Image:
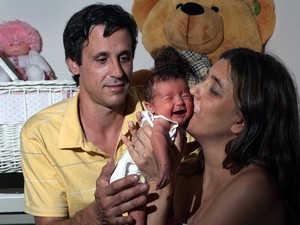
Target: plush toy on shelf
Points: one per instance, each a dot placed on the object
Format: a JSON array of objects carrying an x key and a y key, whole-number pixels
[{"x": 21, "y": 45}]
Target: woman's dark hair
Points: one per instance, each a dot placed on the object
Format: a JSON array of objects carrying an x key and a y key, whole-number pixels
[
  {"x": 265, "y": 94},
  {"x": 78, "y": 28}
]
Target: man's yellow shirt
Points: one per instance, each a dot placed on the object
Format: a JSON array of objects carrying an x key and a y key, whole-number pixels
[{"x": 60, "y": 166}]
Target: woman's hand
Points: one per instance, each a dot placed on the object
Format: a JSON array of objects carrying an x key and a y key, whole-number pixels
[{"x": 141, "y": 151}]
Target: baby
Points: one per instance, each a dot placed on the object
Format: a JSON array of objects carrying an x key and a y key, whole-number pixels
[{"x": 169, "y": 105}]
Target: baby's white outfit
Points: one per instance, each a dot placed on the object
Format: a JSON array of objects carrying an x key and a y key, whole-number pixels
[{"x": 126, "y": 165}]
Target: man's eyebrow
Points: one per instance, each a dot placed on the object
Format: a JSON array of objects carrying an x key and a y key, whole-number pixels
[
  {"x": 98, "y": 54},
  {"x": 125, "y": 52}
]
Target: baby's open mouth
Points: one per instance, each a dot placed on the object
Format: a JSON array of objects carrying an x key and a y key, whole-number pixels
[{"x": 179, "y": 112}]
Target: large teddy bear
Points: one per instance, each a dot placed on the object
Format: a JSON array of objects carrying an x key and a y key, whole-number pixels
[{"x": 205, "y": 27}]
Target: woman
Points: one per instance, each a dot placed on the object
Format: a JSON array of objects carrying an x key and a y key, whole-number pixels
[{"x": 246, "y": 120}]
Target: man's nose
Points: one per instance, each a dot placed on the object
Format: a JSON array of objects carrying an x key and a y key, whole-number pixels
[{"x": 116, "y": 69}]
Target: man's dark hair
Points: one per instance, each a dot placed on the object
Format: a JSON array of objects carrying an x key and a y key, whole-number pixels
[{"x": 79, "y": 26}]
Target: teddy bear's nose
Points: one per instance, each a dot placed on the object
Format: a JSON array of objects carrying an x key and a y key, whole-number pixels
[{"x": 192, "y": 8}]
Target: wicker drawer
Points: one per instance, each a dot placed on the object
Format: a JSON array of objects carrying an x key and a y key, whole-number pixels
[{"x": 19, "y": 100}]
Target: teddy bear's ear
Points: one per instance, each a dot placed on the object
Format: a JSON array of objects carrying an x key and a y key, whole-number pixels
[
  {"x": 265, "y": 15},
  {"x": 140, "y": 10}
]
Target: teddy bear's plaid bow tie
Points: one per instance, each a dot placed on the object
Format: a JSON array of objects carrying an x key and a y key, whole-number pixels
[{"x": 193, "y": 65}]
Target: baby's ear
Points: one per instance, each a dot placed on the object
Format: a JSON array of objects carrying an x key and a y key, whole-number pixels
[{"x": 150, "y": 107}]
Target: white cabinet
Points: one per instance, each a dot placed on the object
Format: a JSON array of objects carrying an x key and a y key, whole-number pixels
[{"x": 11, "y": 209}]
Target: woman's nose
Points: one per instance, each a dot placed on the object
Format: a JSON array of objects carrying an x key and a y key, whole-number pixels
[
  {"x": 192, "y": 90},
  {"x": 195, "y": 90}
]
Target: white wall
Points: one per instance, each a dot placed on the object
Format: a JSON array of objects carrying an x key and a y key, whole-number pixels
[
  {"x": 50, "y": 17},
  {"x": 285, "y": 39}
]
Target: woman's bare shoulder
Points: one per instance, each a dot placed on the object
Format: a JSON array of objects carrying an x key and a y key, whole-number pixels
[
  {"x": 253, "y": 185},
  {"x": 249, "y": 197}
]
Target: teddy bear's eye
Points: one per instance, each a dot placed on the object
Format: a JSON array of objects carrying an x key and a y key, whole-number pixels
[
  {"x": 179, "y": 5},
  {"x": 215, "y": 8}
]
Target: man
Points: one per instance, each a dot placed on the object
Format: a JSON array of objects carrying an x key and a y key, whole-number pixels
[{"x": 65, "y": 147}]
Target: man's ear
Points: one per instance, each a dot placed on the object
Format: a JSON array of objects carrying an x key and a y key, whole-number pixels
[
  {"x": 238, "y": 126},
  {"x": 73, "y": 66},
  {"x": 150, "y": 107}
]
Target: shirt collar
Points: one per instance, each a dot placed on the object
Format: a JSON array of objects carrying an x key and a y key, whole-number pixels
[{"x": 71, "y": 134}]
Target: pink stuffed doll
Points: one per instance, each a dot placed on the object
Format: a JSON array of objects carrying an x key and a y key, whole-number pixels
[{"x": 21, "y": 44}]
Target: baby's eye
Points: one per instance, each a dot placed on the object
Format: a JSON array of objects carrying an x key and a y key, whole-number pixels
[
  {"x": 186, "y": 95},
  {"x": 167, "y": 99}
]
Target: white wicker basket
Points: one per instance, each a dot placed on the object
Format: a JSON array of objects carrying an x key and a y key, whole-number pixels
[{"x": 19, "y": 100}]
